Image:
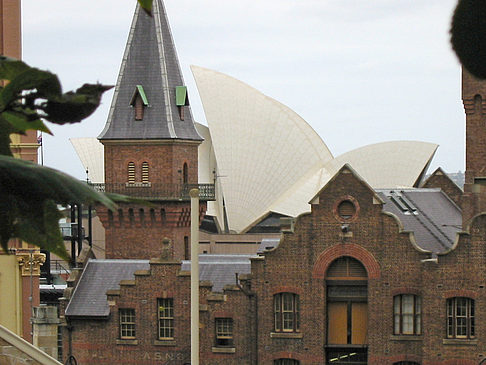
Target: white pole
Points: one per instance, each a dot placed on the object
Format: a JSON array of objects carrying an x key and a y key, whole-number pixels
[{"x": 194, "y": 193}]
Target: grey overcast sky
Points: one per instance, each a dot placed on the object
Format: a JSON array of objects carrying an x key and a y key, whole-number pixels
[{"x": 359, "y": 72}]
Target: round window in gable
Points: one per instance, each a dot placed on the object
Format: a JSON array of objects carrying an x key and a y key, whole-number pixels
[{"x": 346, "y": 209}]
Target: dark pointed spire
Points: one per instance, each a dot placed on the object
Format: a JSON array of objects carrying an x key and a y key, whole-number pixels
[{"x": 150, "y": 72}]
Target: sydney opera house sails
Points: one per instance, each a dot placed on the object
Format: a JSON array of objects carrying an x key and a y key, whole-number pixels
[
  {"x": 270, "y": 160},
  {"x": 265, "y": 158}
]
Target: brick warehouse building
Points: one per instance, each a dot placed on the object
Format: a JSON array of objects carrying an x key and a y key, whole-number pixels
[{"x": 367, "y": 277}]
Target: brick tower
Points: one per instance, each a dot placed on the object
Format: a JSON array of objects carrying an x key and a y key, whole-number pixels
[
  {"x": 474, "y": 99},
  {"x": 151, "y": 145}
]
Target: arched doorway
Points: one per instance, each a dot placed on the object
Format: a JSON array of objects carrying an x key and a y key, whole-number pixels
[{"x": 347, "y": 312}]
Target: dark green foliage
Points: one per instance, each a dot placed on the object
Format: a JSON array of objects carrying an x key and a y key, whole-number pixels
[
  {"x": 28, "y": 202},
  {"x": 468, "y": 35},
  {"x": 29, "y": 193},
  {"x": 73, "y": 107},
  {"x": 32, "y": 95}
]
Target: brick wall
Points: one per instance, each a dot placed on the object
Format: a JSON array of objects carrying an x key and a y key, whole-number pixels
[
  {"x": 98, "y": 341},
  {"x": 394, "y": 267},
  {"x": 165, "y": 158},
  {"x": 136, "y": 231}
]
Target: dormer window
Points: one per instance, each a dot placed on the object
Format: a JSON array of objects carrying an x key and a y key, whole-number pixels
[
  {"x": 139, "y": 102},
  {"x": 181, "y": 100}
]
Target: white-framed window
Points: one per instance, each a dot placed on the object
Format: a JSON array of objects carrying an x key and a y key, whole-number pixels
[
  {"x": 224, "y": 332},
  {"x": 460, "y": 318},
  {"x": 127, "y": 323},
  {"x": 407, "y": 312},
  {"x": 165, "y": 309},
  {"x": 286, "y": 312}
]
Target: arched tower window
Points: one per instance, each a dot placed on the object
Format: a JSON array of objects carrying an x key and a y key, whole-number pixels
[
  {"x": 110, "y": 217},
  {"x": 131, "y": 172},
  {"x": 131, "y": 216},
  {"x": 145, "y": 172},
  {"x": 185, "y": 174}
]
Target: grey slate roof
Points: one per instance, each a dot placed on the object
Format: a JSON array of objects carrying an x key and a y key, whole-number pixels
[
  {"x": 150, "y": 60},
  {"x": 220, "y": 269},
  {"x": 429, "y": 213},
  {"x": 99, "y": 276}
]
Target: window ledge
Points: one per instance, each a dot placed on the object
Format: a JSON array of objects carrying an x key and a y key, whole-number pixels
[
  {"x": 459, "y": 341},
  {"x": 224, "y": 350},
  {"x": 126, "y": 342},
  {"x": 286, "y": 335},
  {"x": 164, "y": 343},
  {"x": 406, "y": 338}
]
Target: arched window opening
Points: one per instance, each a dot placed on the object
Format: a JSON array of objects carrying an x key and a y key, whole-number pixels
[
  {"x": 346, "y": 268},
  {"x": 145, "y": 172},
  {"x": 131, "y": 173},
  {"x": 185, "y": 174},
  {"x": 131, "y": 216},
  {"x": 120, "y": 216},
  {"x": 346, "y": 209},
  {"x": 162, "y": 216},
  {"x": 152, "y": 216},
  {"x": 110, "y": 217},
  {"x": 142, "y": 216},
  {"x": 347, "y": 311}
]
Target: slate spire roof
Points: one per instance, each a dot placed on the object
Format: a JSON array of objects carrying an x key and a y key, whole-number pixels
[{"x": 149, "y": 67}]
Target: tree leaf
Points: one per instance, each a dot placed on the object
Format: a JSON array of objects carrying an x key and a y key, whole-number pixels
[
  {"x": 146, "y": 5},
  {"x": 44, "y": 83},
  {"x": 468, "y": 39},
  {"x": 5, "y": 130},
  {"x": 72, "y": 107},
  {"x": 11, "y": 67},
  {"x": 22, "y": 123},
  {"x": 38, "y": 183},
  {"x": 29, "y": 195},
  {"x": 39, "y": 227}
]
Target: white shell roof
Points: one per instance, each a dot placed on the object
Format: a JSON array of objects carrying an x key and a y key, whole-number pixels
[
  {"x": 396, "y": 164},
  {"x": 262, "y": 146},
  {"x": 91, "y": 153},
  {"x": 388, "y": 164}
]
